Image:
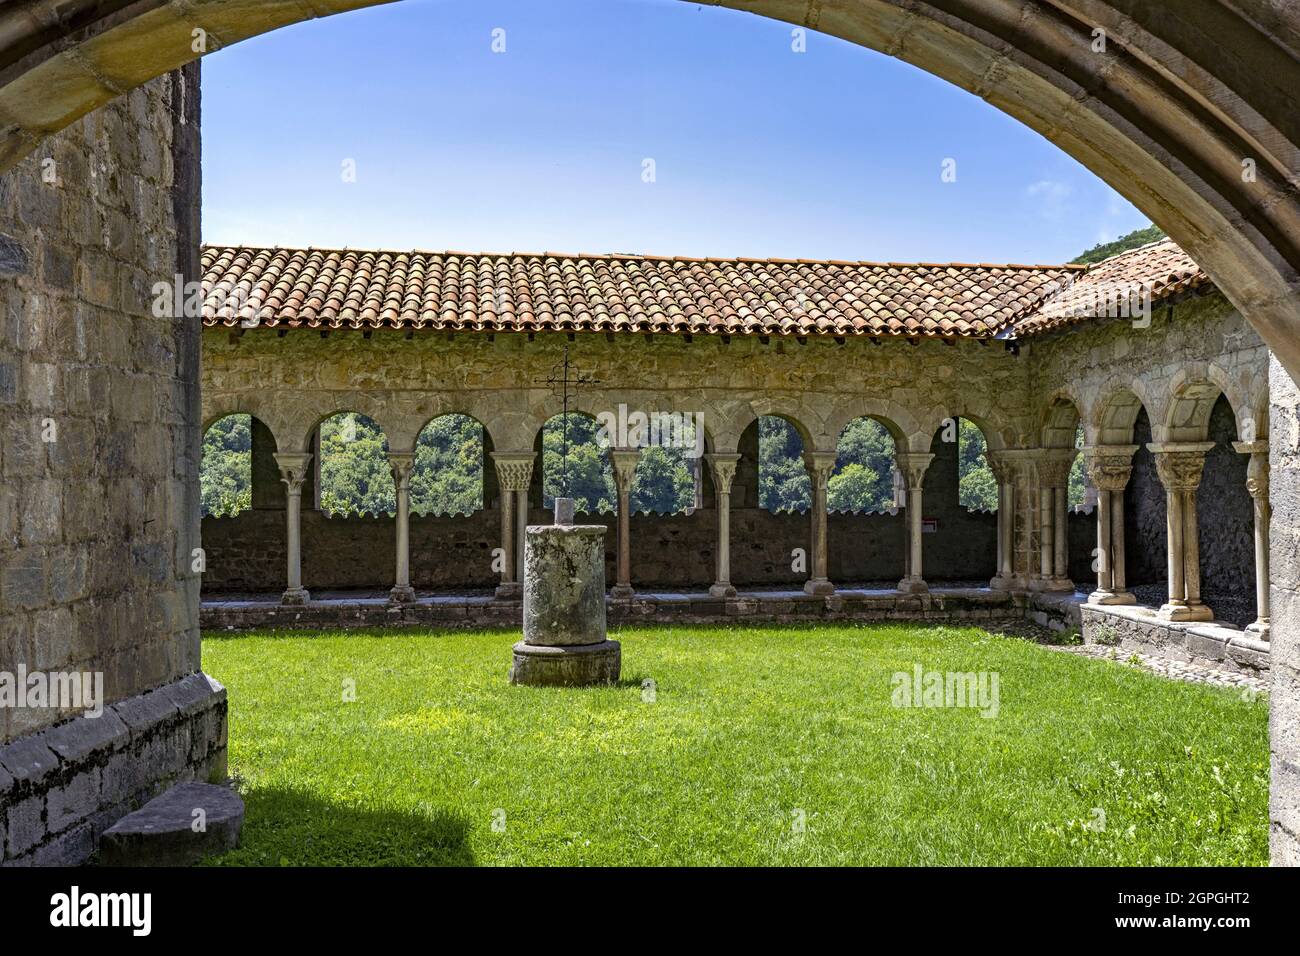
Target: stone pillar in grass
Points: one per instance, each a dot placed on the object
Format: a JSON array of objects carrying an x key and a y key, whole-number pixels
[{"x": 564, "y": 641}]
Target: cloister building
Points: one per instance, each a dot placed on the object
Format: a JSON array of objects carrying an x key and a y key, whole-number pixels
[{"x": 1166, "y": 381}]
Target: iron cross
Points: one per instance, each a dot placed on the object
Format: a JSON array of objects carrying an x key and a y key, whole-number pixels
[{"x": 563, "y": 382}]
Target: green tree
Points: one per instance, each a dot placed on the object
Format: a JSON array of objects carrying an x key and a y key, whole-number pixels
[
  {"x": 1138, "y": 237},
  {"x": 1077, "y": 491},
  {"x": 226, "y": 469},
  {"x": 354, "y": 473},
  {"x": 590, "y": 476},
  {"x": 853, "y": 489},
  {"x": 663, "y": 482},
  {"x": 866, "y": 444},
  {"x": 447, "y": 478},
  {"x": 977, "y": 489},
  {"x": 783, "y": 483}
]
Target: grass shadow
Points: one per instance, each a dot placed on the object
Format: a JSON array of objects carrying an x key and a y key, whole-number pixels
[{"x": 285, "y": 826}]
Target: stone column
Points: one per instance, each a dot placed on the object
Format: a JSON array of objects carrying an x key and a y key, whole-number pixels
[
  {"x": 724, "y": 470},
  {"x": 913, "y": 465},
  {"x": 514, "y": 475},
  {"x": 1180, "y": 468},
  {"x": 400, "y": 464},
  {"x": 624, "y": 461},
  {"x": 293, "y": 472},
  {"x": 1052, "y": 471},
  {"x": 820, "y": 464},
  {"x": 1004, "y": 579},
  {"x": 1257, "y": 484},
  {"x": 1109, "y": 469}
]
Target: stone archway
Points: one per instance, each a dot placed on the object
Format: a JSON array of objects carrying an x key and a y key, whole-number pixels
[{"x": 1188, "y": 114}]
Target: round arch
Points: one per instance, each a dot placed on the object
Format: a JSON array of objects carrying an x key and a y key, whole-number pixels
[
  {"x": 1116, "y": 414},
  {"x": 1059, "y": 421}
]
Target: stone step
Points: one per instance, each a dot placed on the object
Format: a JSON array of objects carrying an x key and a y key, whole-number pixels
[{"x": 182, "y": 826}]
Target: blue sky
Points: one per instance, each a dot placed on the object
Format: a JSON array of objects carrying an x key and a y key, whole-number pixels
[{"x": 836, "y": 152}]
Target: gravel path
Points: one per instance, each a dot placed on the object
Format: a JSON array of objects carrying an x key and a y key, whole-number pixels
[{"x": 1174, "y": 670}]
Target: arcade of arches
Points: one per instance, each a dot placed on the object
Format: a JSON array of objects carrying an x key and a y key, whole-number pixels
[
  {"x": 296, "y": 351},
  {"x": 98, "y": 529}
]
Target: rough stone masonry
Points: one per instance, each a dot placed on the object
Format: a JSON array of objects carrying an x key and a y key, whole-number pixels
[{"x": 99, "y": 415}]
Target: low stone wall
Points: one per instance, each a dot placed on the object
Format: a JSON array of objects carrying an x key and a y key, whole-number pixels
[
  {"x": 247, "y": 552},
  {"x": 62, "y": 787},
  {"x": 1137, "y": 629},
  {"x": 974, "y": 605}
]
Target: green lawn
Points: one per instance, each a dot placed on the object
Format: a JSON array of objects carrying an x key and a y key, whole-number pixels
[{"x": 751, "y": 731}]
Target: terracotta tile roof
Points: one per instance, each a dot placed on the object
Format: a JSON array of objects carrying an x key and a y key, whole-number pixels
[
  {"x": 549, "y": 291},
  {"x": 1115, "y": 287}
]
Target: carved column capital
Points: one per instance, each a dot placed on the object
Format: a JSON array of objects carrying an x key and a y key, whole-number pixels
[
  {"x": 912, "y": 466},
  {"x": 1109, "y": 466},
  {"x": 400, "y": 464},
  {"x": 723, "y": 467},
  {"x": 1180, "y": 464},
  {"x": 1003, "y": 470},
  {"x": 293, "y": 469},
  {"x": 624, "y": 461},
  {"x": 1052, "y": 468},
  {"x": 1257, "y": 472},
  {"x": 819, "y": 464},
  {"x": 514, "y": 469}
]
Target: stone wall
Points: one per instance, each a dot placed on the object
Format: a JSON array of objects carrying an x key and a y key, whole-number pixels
[
  {"x": 1144, "y": 515},
  {"x": 62, "y": 787},
  {"x": 1226, "y": 520},
  {"x": 99, "y": 400},
  {"x": 1284, "y": 717}
]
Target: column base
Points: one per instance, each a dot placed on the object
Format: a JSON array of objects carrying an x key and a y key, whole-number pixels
[
  {"x": 509, "y": 591},
  {"x": 296, "y": 596},
  {"x": 1185, "y": 612},
  {"x": 913, "y": 586},
  {"x": 404, "y": 595},
  {"x": 721, "y": 590},
  {"x": 1060, "y": 584},
  {"x": 1260, "y": 628},
  {"x": 1111, "y": 597},
  {"x": 820, "y": 587},
  {"x": 573, "y": 665},
  {"x": 1001, "y": 583},
  {"x": 622, "y": 592}
]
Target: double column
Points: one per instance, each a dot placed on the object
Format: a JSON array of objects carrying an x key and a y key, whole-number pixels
[
  {"x": 1257, "y": 474},
  {"x": 293, "y": 472},
  {"x": 820, "y": 464},
  {"x": 912, "y": 466},
  {"x": 1004, "y": 473},
  {"x": 400, "y": 464},
  {"x": 1052, "y": 470},
  {"x": 514, "y": 477},
  {"x": 624, "y": 463},
  {"x": 1109, "y": 469},
  {"x": 1180, "y": 466},
  {"x": 723, "y": 467}
]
